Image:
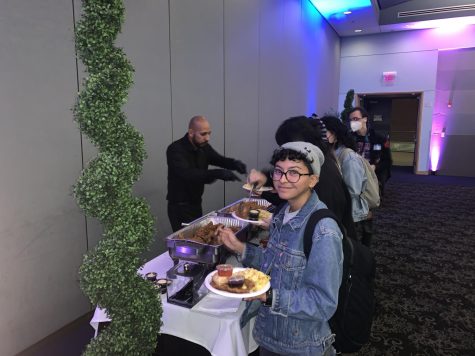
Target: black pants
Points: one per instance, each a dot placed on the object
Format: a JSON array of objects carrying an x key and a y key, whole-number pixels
[
  {"x": 179, "y": 213},
  {"x": 364, "y": 231}
]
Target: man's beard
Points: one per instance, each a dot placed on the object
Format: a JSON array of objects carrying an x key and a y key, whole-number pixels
[{"x": 200, "y": 145}]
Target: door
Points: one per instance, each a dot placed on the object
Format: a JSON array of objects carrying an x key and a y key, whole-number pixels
[{"x": 395, "y": 116}]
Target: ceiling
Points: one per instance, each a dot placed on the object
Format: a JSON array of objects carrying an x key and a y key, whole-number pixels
[{"x": 376, "y": 16}]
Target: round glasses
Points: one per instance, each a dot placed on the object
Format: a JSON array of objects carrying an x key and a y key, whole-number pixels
[{"x": 291, "y": 175}]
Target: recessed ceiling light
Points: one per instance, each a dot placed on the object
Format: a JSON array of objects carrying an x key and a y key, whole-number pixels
[
  {"x": 358, "y": 31},
  {"x": 347, "y": 12}
]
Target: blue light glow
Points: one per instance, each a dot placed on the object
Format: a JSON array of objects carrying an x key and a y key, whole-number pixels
[{"x": 329, "y": 8}]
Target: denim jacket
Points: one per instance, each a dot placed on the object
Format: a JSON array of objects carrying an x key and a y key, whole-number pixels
[
  {"x": 354, "y": 176},
  {"x": 305, "y": 293}
]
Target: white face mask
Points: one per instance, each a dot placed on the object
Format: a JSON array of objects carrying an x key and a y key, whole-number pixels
[{"x": 355, "y": 125}]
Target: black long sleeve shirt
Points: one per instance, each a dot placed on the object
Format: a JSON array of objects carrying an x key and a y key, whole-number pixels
[
  {"x": 375, "y": 148},
  {"x": 188, "y": 170}
]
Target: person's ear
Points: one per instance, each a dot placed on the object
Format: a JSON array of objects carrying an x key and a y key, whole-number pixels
[{"x": 313, "y": 181}]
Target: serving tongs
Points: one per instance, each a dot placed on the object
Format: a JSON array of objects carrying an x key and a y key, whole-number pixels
[{"x": 253, "y": 186}]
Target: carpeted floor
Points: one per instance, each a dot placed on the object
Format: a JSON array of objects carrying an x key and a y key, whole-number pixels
[{"x": 425, "y": 252}]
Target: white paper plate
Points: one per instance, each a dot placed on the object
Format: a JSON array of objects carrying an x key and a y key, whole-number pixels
[
  {"x": 248, "y": 187},
  {"x": 255, "y": 222},
  {"x": 234, "y": 295}
]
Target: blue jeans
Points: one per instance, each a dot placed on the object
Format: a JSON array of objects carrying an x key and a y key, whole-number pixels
[{"x": 264, "y": 352}]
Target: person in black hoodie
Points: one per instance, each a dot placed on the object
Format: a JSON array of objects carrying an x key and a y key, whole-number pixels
[{"x": 331, "y": 188}]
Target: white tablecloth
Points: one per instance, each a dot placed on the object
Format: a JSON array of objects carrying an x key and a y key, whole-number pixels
[{"x": 219, "y": 333}]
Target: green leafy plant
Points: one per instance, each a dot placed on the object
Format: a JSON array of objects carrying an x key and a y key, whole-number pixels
[
  {"x": 108, "y": 275},
  {"x": 348, "y": 105}
]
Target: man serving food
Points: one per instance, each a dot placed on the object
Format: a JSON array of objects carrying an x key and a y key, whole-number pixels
[{"x": 188, "y": 159}]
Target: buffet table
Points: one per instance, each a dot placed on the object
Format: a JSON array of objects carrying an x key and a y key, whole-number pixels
[{"x": 213, "y": 323}]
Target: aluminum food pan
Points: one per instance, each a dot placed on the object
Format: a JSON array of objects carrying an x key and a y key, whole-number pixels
[
  {"x": 186, "y": 249},
  {"x": 227, "y": 210},
  {"x": 189, "y": 231}
]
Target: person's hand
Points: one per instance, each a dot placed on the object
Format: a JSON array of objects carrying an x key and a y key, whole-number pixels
[
  {"x": 256, "y": 177},
  {"x": 228, "y": 175},
  {"x": 240, "y": 166},
  {"x": 227, "y": 237},
  {"x": 265, "y": 223}
]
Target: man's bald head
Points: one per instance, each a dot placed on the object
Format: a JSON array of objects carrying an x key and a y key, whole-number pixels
[
  {"x": 196, "y": 121},
  {"x": 199, "y": 131}
]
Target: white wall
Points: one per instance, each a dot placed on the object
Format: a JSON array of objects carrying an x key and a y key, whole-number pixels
[
  {"x": 245, "y": 64},
  {"x": 413, "y": 54}
]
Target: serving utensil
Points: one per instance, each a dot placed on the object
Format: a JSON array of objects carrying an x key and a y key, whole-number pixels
[{"x": 253, "y": 186}]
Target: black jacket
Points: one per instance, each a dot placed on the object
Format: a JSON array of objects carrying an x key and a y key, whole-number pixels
[{"x": 188, "y": 170}]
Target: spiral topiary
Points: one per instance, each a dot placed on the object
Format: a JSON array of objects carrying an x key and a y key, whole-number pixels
[
  {"x": 348, "y": 105},
  {"x": 108, "y": 275}
]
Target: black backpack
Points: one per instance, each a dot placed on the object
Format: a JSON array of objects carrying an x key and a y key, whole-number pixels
[{"x": 353, "y": 318}]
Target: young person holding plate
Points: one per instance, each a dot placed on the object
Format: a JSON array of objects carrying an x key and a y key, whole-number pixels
[{"x": 293, "y": 317}]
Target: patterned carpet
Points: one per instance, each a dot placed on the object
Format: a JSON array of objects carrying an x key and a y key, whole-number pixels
[{"x": 425, "y": 285}]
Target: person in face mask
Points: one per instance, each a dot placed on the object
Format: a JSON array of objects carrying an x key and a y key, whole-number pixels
[{"x": 371, "y": 145}]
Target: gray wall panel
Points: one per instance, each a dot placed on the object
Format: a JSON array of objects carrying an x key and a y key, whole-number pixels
[
  {"x": 241, "y": 73},
  {"x": 145, "y": 38},
  {"x": 41, "y": 229},
  {"x": 197, "y": 78},
  {"x": 457, "y": 156}
]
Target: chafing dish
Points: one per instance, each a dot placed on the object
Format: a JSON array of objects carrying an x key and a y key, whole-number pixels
[
  {"x": 194, "y": 260},
  {"x": 181, "y": 247}
]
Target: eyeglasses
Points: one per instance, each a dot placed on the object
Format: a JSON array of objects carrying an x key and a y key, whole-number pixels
[
  {"x": 291, "y": 175},
  {"x": 355, "y": 118}
]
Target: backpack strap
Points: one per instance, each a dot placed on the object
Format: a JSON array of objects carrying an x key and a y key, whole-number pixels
[{"x": 312, "y": 223}]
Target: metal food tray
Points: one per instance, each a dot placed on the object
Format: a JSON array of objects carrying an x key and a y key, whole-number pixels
[
  {"x": 227, "y": 210},
  {"x": 190, "y": 250}
]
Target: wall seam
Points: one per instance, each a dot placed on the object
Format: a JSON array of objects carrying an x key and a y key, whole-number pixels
[
  {"x": 170, "y": 62},
  {"x": 80, "y": 134},
  {"x": 224, "y": 92}
]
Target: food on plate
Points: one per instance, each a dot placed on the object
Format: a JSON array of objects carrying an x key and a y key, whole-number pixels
[
  {"x": 264, "y": 214},
  {"x": 254, "y": 214},
  {"x": 243, "y": 209},
  {"x": 207, "y": 234},
  {"x": 222, "y": 283},
  {"x": 257, "y": 277},
  {"x": 236, "y": 281},
  {"x": 246, "y": 281}
]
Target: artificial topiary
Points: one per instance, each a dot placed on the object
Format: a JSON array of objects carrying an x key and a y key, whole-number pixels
[
  {"x": 108, "y": 275},
  {"x": 348, "y": 105}
]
